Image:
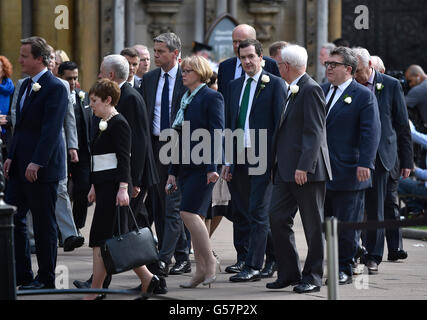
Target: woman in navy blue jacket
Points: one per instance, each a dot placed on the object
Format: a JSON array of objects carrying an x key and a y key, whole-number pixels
[{"x": 201, "y": 108}]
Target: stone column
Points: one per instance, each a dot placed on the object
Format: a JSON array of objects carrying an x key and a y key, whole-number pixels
[
  {"x": 11, "y": 33},
  {"x": 119, "y": 26},
  {"x": 300, "y": 27},
  {"x": 335, "y": 19},
  {"x": 130, "y": 23},
  {"x": 87, "y": 55},
  {"x": 322, "y": 34},
  {"x": 199, "y": 21},
  {"x": 163, "y": 16},
  {"x": 233, "y": 8},
  {"x": 264, "y": 13},
  {"x": 221, "y": 7}
]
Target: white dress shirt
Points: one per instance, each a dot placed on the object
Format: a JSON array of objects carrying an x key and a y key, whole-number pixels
[
  {"x": 254, "y": 84},
  {"x": 35, "y": 79},
  {"x": 157, "y": 107},
  {"x": 341, "y": 88}
]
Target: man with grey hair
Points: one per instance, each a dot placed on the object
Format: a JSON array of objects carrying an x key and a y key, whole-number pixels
[
  {"x": 394, "y": 127},
  {"x": 132, "y": 106},
  {"x": 417, "y": 80},
  {"x": 378, "y": 64},
  {"x": 353, "y": 132},
  {"x": 144, "y": 61},
  {"x": 162, "y": 90},
  {"x": 299, "y": 175}
]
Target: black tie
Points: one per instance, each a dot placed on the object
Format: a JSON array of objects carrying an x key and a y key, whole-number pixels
[
  {"x": 328, "y": 106},
  {"x": 164, "y": 114}
]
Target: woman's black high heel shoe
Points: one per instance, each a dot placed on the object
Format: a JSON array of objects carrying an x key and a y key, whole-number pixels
[{"x": 155, "y": 281}]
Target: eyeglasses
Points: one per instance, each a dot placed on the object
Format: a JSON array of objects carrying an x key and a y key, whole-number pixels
[
  {"x": 187, "y": 71},
  {"x": 333, "y": 65}
]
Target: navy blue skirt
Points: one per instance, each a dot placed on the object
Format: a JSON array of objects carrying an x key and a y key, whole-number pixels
[{"x": 196, "y": 195}]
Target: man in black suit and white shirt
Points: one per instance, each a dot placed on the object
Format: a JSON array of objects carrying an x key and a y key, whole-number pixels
[
  {"x": 132, "y": 57},
  {"x": 162, "y": 91},
  {"x": 300, "y": 173}
]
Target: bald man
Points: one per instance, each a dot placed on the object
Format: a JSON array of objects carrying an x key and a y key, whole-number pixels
[
  {"x": 231, "y": 69},
  {"x": 416, "y": 78}
]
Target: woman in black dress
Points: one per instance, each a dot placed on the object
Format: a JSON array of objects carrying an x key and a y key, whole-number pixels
[
  {"x": 202, "y": 108},
  {"x": 110, "y": 177}
]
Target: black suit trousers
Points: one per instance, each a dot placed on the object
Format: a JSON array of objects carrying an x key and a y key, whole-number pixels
[
  {"x": 40, "y": 198},
  {"x": 287, "y": 198}
]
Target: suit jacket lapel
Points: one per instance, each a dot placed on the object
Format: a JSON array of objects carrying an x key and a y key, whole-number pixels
[
  {"x": 18, "y": 102},
  {"x": 292, "y": 99},
  {"x": 340, "y": 104},
  {"x": 33, "y": 94},
  {"x": 178, "y": 88},
  {"x": 151, "y": 100}
]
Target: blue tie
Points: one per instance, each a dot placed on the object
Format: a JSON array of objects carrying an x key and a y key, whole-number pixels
[{"x": 164, "y": 115}]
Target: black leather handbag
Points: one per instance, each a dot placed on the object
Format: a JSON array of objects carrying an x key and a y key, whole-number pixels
[{"x": 130, "y": 250}]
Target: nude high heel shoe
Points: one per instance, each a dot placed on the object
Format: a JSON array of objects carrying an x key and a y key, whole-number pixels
[{"x": 191, "y": 284}]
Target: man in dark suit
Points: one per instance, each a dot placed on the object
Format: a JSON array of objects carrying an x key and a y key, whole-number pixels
[
  {"x": 231, "y": 69},
  {"x": 353, "y": 132},
  {"x": 132, "y": 57},
  {"x": 300, "y": 173},
  {"x": 394, "y": 124},
  {"x": 228, "y": 71},
  {"x": 162, "y": 91},
  {"x": 36, "y": 163},
  {"x": 254, "y": 104},
  {"x": 79, "y": 171}
]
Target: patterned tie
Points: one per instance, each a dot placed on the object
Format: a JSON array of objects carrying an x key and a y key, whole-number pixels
[
  {"x": 164, "y": 115},
  {"x": 328, "y": 106}
]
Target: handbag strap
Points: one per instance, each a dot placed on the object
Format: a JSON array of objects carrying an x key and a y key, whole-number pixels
[{"x": 118, "y": 219}]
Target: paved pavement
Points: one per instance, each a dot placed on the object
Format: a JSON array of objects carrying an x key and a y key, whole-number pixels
[{"x": 405, "y": 280}]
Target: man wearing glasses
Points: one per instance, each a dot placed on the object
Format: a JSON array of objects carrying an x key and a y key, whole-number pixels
[{"x": 353, "y": 133}]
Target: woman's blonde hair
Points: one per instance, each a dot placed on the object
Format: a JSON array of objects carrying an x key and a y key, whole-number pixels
[{"x": 200, "y": 66}]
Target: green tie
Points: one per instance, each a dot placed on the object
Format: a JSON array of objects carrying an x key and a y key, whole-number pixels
[{"x": 244, "y": 106}]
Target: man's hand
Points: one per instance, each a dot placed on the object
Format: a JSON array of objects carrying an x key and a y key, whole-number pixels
[
  {"x": 212, "y": 177},
  {"x": 225, "y": 173},
  {"x": 73, "y": 155},
  {"x": 300, "y": 177},
  {"x": 6, "y": 166},
  {"x": 171, "y": 182},
  {"x": 405, "y": 172},
  {"x": 135, "y": 191},
  {"x": 363, "y": 174},
  {"x": 31, "y": 172},
  {"x": 91, "y": 197}
]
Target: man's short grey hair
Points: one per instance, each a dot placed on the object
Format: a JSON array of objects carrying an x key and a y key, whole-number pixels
[
  {"x": 119, "y": 65},
  {"x": 329, "y": 46},
  {"x": 349, "y": 57},
  {"x": 378, "y": 63},
  {"x": 295, "y": 55},
  {"x": 173, "y": 42},
  {"x": 363, "y": 54}
]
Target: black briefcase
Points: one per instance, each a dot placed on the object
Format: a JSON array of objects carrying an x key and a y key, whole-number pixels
[{"x": 130, "y": 250}]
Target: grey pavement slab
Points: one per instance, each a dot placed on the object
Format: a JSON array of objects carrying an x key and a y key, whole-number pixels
[{"x": 403, "y": 280}]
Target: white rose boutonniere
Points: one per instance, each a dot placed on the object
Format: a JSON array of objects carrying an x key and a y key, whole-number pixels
[
  {"x": 103, "y": 125},
  {"x": 294, "y": 89},
  {"x": 264, "y": 80},
  {"x": 82, "y": 95},
  {"x": 263, "y": 63},
  {"x": 380, "y": 86},
  {"x": 36, "y": 87},
  {"x": 348, "y": 99}
]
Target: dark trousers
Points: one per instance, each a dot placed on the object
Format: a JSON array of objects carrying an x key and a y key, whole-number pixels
[
  {"x": 374, "y": 202},
  {"x": 287, "y": 198},
  {"x": 250, "y": 196},
  {"x": 391, "y": 212},
  {"x": 167, "y": 217},
  {"x": 80, "y": 176},
  {"x": 346, "y": 206},
  {"x": 40, "y": 198}
]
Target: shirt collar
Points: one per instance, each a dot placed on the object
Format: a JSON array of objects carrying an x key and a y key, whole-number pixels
[
  {"x": 37, "y": 77},
  {"x": 132, "y": 82},
  {"x": 372, "y": 77},
  {"x": 172, "y": 72},
  {"x": 295, "y": 82},
  {"x": 238, "y": 63},
  {"x": 343, "y": 85},
  {"x": 255, "y": 77}
]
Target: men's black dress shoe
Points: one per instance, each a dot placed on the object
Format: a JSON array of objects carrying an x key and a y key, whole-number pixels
[
  {"x": 343, "y": 278},
  {"x": 72, "y": 243},
  {"x": 246, "y": 275},
  {"x": 372, "y": 267},
  {"x": 163, "y": 269},
  {"x": 306, "y": 288},
  {"x": 396, "y": 255},
  {"x": 361, "y": 252},
  {"x": 82, "y": 284},
  {"x": 235, "y": 268},
  {"x": 181, "y": 267},
  {"x": 269, "y": 269},
  {"x": 278, "y": 284},
  {"x": 36, "y": 285}
]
